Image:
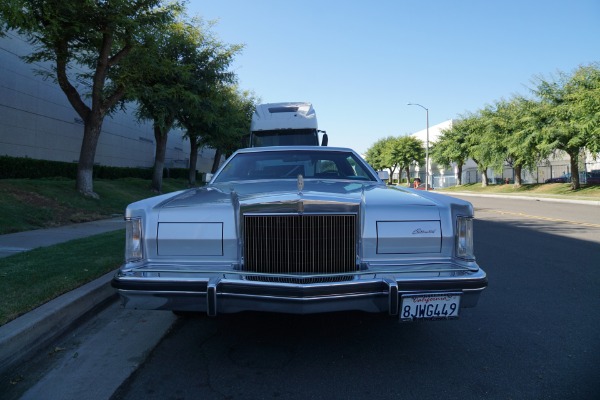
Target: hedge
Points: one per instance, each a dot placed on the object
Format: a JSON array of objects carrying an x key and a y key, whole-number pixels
[{"x": 29, "y": 168}]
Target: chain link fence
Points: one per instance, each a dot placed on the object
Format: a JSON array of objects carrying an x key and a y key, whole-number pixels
[{"x": 539, "y": 175}]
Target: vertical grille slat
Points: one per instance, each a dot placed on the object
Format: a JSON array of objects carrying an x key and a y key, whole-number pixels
[{"x": 300, "y": 244}]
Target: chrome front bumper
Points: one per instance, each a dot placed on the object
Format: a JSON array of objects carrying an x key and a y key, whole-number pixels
[{"x": 230, "y": 294}]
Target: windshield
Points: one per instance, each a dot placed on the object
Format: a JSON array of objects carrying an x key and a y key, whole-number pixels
[
  {"x": 290, "y": 164},
  {"x": 285, "y": 137}
]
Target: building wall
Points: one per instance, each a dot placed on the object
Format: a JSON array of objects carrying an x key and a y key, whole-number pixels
[
  {"x": 37, "y": 121},
  {"x": 434, "y": 131}
]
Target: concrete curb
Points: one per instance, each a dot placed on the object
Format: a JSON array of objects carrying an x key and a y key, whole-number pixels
[{"x": 21, "y": 338}]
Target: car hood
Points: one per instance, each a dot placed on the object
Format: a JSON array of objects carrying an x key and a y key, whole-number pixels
[
  {"x": 283, "y": 196},
  {"x": 392, "y": 220}
]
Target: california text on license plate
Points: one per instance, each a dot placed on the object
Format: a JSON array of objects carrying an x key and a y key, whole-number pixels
[{"x": 429, "y": 306}]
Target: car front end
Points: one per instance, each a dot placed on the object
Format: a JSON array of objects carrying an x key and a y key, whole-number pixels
[{"x": 301, "y": 246}]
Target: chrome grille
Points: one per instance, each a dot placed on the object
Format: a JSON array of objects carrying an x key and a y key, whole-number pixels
[{"x": 300, "y": 244}]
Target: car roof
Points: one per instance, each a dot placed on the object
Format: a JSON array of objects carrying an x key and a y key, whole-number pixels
[{"x": 292, "y": 148}]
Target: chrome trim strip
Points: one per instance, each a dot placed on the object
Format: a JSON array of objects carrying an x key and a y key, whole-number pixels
[
  {"x": 378, "y": 270},
  {"x": 189, "y": 276}
]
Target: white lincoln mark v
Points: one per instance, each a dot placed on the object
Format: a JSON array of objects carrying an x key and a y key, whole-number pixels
[{"x": 301, "y": 230}]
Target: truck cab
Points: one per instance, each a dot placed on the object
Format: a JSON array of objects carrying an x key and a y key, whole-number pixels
[{"x": 285, "y": 124}]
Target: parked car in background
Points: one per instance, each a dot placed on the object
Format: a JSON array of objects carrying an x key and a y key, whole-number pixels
[
  {"x": 565, "y": 178},
  {"x": 593, "y": 178},
  {"x": 303, "y": 229},
  {"x": 589, "y": 178}
]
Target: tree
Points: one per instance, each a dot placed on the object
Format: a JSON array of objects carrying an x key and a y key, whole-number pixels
[
  {"x": 509, "y": 136},
  {"x": 473, "y": 128},
  {"x": 220, "y": 123},
  {"x": 388, "y": 156},
  {"x": 584, "y": 95},
  {"x": 161, "y": 84},
  {"x": 233, "y": 123},
  {"x": 205, "y": 109},
  {"x": 404, "y": 152},
  {"x": 568, "y": 113},
  {"x": 185, "y": 64},
  {"x": 450, "y": 147},
  {"x": 396, "y": 153},
  {"x": 377, "y": 156},
  {"x": 95, "y": 35}
]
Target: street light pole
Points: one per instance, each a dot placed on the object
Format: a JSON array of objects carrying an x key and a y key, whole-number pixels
[{"x": 426, "y": 145}]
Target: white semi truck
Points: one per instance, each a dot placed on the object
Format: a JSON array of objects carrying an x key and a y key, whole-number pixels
[{"x": 285, "y": 124}]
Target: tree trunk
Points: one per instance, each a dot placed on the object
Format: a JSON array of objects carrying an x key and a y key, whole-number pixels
[
  {"x": 574, "y": 169},
  {"x": 159, "y": 159},
  {"x": 392, "y": 171},
  {"x": 87, "y": 154},
  {"x": 459, "y": 167},
  {"x": 408, "y": 177},
  {"x": 193, "y": 161},
  {"x": 216, "y": 161},
  {"x": 518, "y": 169},
  {"x": 94, "y": 116},
  {"x": 484, "y": 178}
]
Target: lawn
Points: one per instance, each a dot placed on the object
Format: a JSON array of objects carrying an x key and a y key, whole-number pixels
[
  {"x": 27, "y": 204},
  {"x": 28, "y": 280}
]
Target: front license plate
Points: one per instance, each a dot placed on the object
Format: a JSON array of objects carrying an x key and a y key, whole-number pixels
[{"x": 429, "y": 306}]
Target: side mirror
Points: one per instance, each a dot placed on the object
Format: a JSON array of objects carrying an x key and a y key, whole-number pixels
[
  {"x": 385, "y": 175},
  {"x": 325, "y": 139},
  {"x": 207, "y": 177}
]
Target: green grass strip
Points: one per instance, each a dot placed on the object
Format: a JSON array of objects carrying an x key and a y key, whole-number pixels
[
  {"x": 30, "y": 279},
  {"x": 553, "y": 190}
]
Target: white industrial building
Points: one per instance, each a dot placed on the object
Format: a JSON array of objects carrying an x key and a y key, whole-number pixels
[
  {"x": 37, "y": 121},
  {"x": 435, "y": 171}
]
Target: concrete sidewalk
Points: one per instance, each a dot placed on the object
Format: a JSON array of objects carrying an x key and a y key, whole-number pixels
[{"x": 24, "y": 241}]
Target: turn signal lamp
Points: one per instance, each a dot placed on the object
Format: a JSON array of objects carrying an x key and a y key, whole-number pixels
[
  {"x": 464, "y": 238},
  {"x": 133, "y": 239}
]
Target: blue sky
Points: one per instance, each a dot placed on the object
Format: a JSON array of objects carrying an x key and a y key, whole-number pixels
[{"x": 360, "y": 62}]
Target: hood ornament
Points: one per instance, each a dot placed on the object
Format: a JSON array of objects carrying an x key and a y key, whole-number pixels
[{"x": 300, "y": 183}]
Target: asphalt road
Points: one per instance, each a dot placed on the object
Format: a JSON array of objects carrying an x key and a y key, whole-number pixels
[{"x": 534, "y": 335}]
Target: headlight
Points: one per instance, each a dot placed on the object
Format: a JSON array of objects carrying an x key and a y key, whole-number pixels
[
  {"x": 464, "y": 238},
  {"x": 133, "y": 240}
]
